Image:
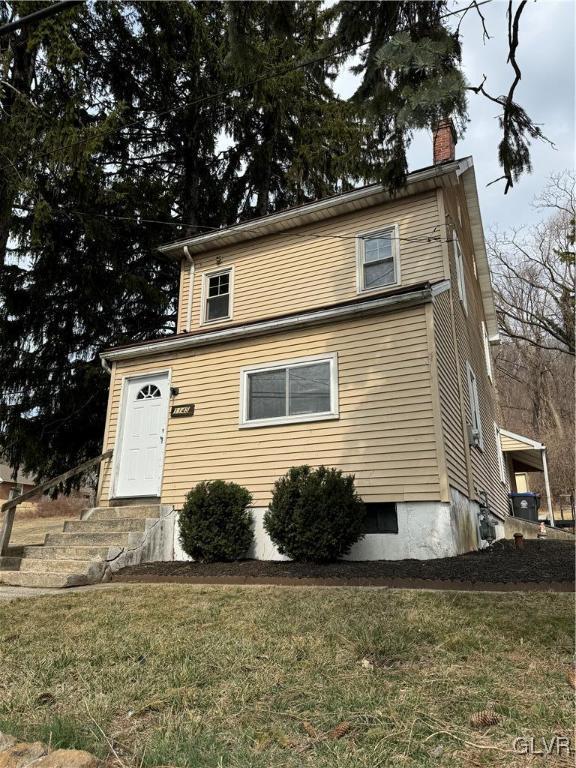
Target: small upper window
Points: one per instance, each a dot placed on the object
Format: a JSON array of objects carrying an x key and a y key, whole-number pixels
[
  {"x": 459, "y": 259},
  {"x": 377, "y": 260},
  {"x": 148, "y": 392},
  {"x": 217, "y": 293},
  {"x": 475, "y": 413}
]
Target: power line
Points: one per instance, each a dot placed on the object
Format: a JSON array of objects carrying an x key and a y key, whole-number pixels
[
  {"x": 344, "y": 236},
  {"x": 43, "y": 13}
]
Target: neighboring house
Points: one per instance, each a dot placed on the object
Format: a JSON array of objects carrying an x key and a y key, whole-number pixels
[
  {"x": 11, "y": 487},
  {"x": 353, "y": 332}
]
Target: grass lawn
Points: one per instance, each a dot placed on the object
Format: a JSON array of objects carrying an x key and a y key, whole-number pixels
[{"x": 177, "y": 675}]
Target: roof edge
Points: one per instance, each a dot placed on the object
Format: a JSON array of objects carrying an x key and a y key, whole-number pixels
[
  {"x": 420, "y": 295},
  {"x": 249, "y": 229}
]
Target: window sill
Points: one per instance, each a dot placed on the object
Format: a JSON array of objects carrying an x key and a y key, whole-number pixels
[
  {"x": 216, "y": 320},
  {"x": 300, "y": 419},
  {"x": 378, "y": 289}
]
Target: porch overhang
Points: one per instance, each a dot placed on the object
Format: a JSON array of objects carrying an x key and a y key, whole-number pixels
[{"x": 526, "y": 455}]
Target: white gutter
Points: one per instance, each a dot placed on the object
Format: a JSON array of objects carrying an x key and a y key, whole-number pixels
[
  {"x": 270, "y": 326},
  {"x": 335, "y": 201}
]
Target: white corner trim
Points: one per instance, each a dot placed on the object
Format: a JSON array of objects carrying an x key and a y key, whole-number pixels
[
  {"x": 254, "y": 329},
  {"x": 190, "y": 293},
  {"x": 204, "y": 295},
  {"x": 333, "y": 413}
]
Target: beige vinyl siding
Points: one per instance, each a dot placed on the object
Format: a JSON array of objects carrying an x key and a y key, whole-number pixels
[
  {"x": 452, "y": 427},
  {"x": 385, "y": 434},
  {"x": 315, "y": 265},
  {"x": 484, "y": 464}
]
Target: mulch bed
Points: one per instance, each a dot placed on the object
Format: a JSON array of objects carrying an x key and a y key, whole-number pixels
[{"x": 541, "y": 565}]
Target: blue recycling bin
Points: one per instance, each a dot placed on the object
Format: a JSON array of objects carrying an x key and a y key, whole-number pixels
[{"x": 525, "y": 505}]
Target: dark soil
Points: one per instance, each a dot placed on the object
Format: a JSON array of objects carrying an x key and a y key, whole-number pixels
[{"x": 542, "y": 562}]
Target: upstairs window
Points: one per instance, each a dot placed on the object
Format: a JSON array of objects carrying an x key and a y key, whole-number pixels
[
  {"x": 300, "y": 390},
  {"x": 217, "y": 296},
  {"x": 475, "y": 415},
  {"x": 459, "y": 260},
  {"x": 378, "y": 259}
]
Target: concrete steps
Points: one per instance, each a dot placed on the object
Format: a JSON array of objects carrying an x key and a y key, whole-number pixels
[
  {"x": 45, "y": 580},
  {"x": 113, "y": 513},
  {"x": 114, "y": 539},
  {"x": 114, "y": 525},
  {"x": 87, "y": 549},
  {"x": 36, "y": 565},
  {"x": 70, "y": 553}
]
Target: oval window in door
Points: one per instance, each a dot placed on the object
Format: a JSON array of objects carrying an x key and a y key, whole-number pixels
[{"x": 148, "y": 392}]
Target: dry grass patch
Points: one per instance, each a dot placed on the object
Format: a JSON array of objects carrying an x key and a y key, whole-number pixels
[{"x": 179, "y": 675}]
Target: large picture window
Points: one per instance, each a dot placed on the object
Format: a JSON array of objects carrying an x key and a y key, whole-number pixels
[
  {"x": 378, "y": 259},
  {"x": 299, "y": 390}
]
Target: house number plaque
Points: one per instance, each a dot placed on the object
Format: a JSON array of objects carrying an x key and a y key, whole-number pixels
[{"x": 186, "y": 409}]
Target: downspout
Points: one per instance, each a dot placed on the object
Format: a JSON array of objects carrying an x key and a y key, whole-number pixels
[
  {"x": 547, "y": 485},
  {"x": 190, "y": 261},
  {"x": 104, "y": 364}
]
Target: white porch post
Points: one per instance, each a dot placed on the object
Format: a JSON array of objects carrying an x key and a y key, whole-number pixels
[{"x": 547, "y": 484}]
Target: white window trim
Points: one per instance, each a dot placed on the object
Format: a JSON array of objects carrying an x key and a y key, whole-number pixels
[
  {"x": 500, "y": 454},
  {"x": 487, "y": 355},
  {"x": 475, "y": 403},
  {"x": 360, "y": 237},
  {"x": 460, "y": 279},
  {"x": 331, "y": 358},
  {"x": 204, "y": 297}
]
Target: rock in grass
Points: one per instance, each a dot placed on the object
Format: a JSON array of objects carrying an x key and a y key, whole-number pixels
[
  {"x": 6, "y": 741},
  {"x": 22, "y": 754},
  {"x": 68, "y": 758}
]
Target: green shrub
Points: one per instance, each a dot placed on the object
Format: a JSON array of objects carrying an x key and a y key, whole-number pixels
[
  {"x": 315, "y": 515},
  {"x": 215, "y": 522}
]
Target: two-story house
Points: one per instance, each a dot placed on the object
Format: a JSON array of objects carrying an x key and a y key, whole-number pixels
[{"x": 352, "y": 332}]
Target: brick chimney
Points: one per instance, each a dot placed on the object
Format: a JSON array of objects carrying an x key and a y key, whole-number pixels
[{"x": 444, "y": 136}]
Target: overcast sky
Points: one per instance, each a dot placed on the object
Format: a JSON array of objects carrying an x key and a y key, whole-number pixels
[{"x": 546, "y": 91}]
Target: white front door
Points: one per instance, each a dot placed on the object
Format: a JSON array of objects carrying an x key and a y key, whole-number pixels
[{"x": 143, "y": 433}]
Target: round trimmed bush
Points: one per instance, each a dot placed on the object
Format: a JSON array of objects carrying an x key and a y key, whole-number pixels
[
  {"x": 315, "y": 515},
  {"x": 215, "y": 522}
]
